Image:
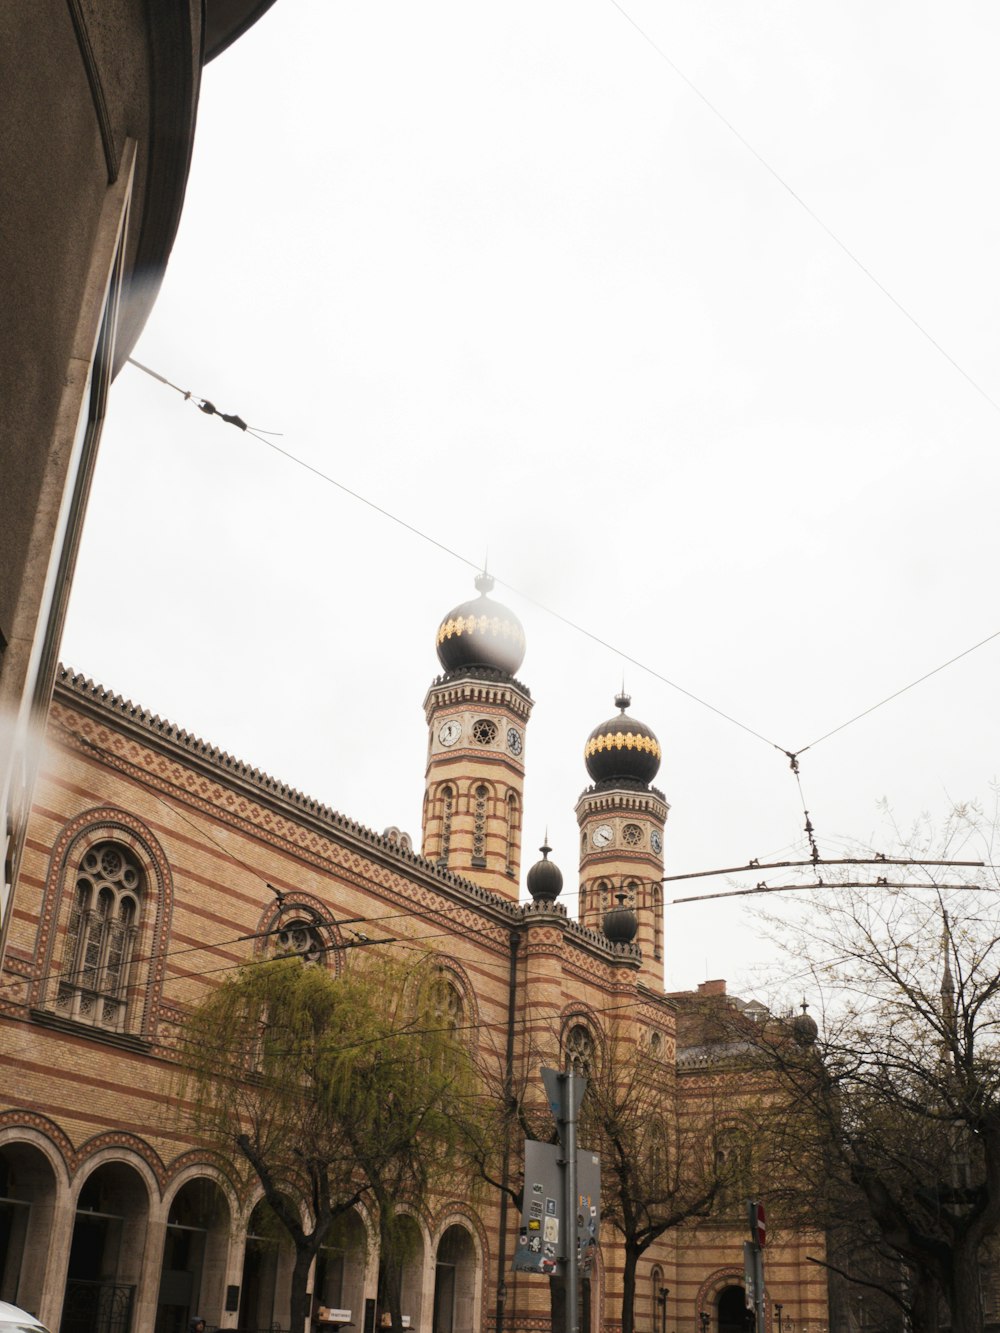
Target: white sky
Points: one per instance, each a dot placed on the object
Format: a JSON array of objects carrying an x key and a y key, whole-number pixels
[{"x": 499, "y": 269}]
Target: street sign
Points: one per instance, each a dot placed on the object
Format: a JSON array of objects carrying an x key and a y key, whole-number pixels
[
  {"x": 555, "y": 1089},
  {"x": 758, "y": 1224}
]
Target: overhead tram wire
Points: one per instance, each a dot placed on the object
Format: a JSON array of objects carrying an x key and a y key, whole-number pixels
[
  {"x": 809, "y": 211},
  {"x": 791, "y": 755},
  {"x": 881, "y": 882}
]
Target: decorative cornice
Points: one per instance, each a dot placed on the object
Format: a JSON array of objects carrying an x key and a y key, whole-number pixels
[{"x": 76, "y": 690}]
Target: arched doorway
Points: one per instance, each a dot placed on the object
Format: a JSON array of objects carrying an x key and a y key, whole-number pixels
[
  {"x": 267, "y": 1269},
  {"x": 195, "y": 1246},
  {"x": 732, "y": 1310},
  {"x": 406, "y": 1268},
  {"x": 105, "y": 1258},
  {"x": 339, "y": 1281},
  {"x": 455, "y": 1282},
  {"x": 27, "y": 1200}
]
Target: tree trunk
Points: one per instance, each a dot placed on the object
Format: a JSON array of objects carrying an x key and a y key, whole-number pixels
[
  {"x": 391, "y": 1279},
  {"x": 628, "y": 1287},
  {"x": 925, "y": 1305},
  {"x": 966, "y": 1293},
  {"x": 298, "y": 1307}
]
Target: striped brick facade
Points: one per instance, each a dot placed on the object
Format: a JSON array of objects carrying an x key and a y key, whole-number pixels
[{"x": 99, "y": 1182}]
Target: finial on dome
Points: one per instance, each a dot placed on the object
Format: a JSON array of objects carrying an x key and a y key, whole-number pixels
[
  {"x": 622, "y": 748},
  {"x": 545, "y": 879},
  {"x": 481, "y": 633},
  {"x": 805, "y": 1029}
]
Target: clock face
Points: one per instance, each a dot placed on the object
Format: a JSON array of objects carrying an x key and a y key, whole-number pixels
[
  {"x": 450, "y": 731},
  {"x": 603, "y": 835},
  {"x": 656, "y": 842},
  {"x": 514, "y": 742}
]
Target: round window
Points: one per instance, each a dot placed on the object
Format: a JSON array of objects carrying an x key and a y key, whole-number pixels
[{"x": 484, "y": 731}]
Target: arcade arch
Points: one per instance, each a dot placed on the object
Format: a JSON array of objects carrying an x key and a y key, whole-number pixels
[
  {"x": 28, "y": 1191},
  {"x": 195, "y": 1255}
]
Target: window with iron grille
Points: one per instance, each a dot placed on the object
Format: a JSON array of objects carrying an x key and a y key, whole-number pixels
[{"x": 100, "y": 940}]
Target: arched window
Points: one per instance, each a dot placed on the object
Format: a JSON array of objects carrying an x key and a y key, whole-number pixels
[
  {"x": 298, "y": 937},
  {"x": 658, "y": 1300},
  {"x": 580, "y": 1049},
  {"x": 513, "y": 829},
  {"x": 603, "y": 895},
  {"x": 93, "y": 985},
  {"x": 446, "y": 999},
  {"x": 582, "y": 902},
  {"x": 479, "y": 826},
  {"x": 447, "y": 810},
  {"x": 657, "y": 921}
]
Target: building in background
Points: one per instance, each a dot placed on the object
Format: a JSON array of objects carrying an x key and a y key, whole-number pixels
[
  {"x": 100, "y": 102},
  {"x": 151, "y": 864}
]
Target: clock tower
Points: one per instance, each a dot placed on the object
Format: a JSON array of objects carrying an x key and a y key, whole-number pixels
[
  {"x": 622, "y": 818},
  {"x": 477, "y": 713}
]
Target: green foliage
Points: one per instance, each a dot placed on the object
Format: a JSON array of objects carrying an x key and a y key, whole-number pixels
[{"x": 331, "y": 1089}]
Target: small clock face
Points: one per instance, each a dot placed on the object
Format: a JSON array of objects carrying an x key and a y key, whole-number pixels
[
  {"x": 450, "y": 731},
  {"x": 656, "y": 842},
  {"x": 603, "y": 835},
  {"x": 514, "y": 742}
]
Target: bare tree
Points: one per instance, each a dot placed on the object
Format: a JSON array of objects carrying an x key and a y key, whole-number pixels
[
  {"x": 659, "y": 1165},
  {"x": 892, "y": 1107}
]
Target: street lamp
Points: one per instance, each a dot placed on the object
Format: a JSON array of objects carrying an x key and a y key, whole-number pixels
[
  {"x": 779, "y": 1307},
  {"x": 705, "y": 1321},
  {"x": 662, "y": 1298}
]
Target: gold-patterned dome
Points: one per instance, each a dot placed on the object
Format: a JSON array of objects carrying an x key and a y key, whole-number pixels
[
  {"x": 481, "y": 633},
  {"x": 622, "y": 748}
]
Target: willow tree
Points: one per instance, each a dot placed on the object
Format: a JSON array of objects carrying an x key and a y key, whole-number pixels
[{"x": 331, "y": 1090}]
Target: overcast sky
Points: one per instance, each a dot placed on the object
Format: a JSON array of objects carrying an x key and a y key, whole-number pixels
[{"x": 502, "y": 271}]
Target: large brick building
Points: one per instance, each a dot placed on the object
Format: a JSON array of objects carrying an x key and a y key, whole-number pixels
[{"x": 153, "y": 863}]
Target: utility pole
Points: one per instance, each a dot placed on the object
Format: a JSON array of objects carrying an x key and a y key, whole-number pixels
[
  {"x": 753, "y": 1262},
  {"x": 572, "y": 1243}
]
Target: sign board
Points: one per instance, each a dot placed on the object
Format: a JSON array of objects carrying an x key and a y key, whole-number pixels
[
  {"x": 555, "y": 1085},
  {"x": 541, "y": 1234},
  {"x": 588, "y": 1214}
]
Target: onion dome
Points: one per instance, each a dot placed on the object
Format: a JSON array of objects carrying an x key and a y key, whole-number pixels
[
  {"x": 622, "y": 748},
  {"x": 545, "y": 878},
  {"x": 481, "y": 633},
  {"x": 621, "y": 922},
  {"x": 805, "y": 1029}
]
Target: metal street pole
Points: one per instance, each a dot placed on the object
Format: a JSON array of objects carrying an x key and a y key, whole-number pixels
[
  {"x": 778, "y": 1308},
  {"x": 572, "y": 1205}
]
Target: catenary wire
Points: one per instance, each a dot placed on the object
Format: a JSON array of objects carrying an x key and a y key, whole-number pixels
[
  {"x": 810, "y": 212},
  {"x": 174, "y": 807},
  {"x": 415, "y": 531}
]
